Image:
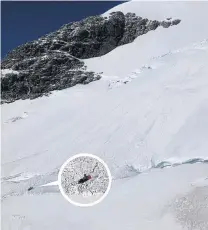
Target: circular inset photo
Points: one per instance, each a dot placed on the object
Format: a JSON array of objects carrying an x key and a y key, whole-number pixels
[{"x": 84, "y": 180}]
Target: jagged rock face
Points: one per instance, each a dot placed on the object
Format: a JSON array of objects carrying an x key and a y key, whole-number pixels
[
  {"x": 134, "y": 27},
  {"x": 94, "y": 36},
  {"x": 38, "y": 76},
  {"x": 51, "y": 63},
  {"x": 91, "y": 37}
]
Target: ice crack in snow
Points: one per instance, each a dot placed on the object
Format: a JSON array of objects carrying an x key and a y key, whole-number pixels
[{"x": 130, "y": 170}]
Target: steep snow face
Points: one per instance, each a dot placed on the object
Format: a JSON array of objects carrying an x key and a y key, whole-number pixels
[
  {"x": 122, "y": 60},
  {"x": 157, "y": 116}
]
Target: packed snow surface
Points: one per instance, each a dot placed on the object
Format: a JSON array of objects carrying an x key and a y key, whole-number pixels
[{"x": 149, "y": 124}]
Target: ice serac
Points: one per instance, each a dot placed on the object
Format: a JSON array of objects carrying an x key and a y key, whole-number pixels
[{"x": 51, "y": 62}]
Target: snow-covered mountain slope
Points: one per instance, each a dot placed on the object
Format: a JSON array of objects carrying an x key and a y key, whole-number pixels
[
  {"x": 149, "y": 118},
  {"x": 152, "y": 116},
  {"x": 192, "y": 28},
  {"x": 156, "y": 120}
]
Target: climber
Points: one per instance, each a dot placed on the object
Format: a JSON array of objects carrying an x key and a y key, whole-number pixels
[{"x": 84, "y": 179}]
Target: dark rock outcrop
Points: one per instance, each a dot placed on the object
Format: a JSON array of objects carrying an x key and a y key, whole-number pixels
[
  {"x": 175, "y": 22},
  {"x": 169, "y": 23},
  {"x": 136, "y": 26},
  {"x": 52, "y": 62},
  {"x": 38, "y": 76}
]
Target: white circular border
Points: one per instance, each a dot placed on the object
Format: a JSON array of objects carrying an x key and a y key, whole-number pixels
[{"x": 62, "y": 190}]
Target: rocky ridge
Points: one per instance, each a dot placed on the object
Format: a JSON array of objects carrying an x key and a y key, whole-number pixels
[{"x": 53, "y": 62}]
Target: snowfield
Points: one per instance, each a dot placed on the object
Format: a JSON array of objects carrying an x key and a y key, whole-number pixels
[{"x": 146, "y": 118}]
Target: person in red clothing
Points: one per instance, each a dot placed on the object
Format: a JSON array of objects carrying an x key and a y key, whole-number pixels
[{"x": 84, "y": 179}]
